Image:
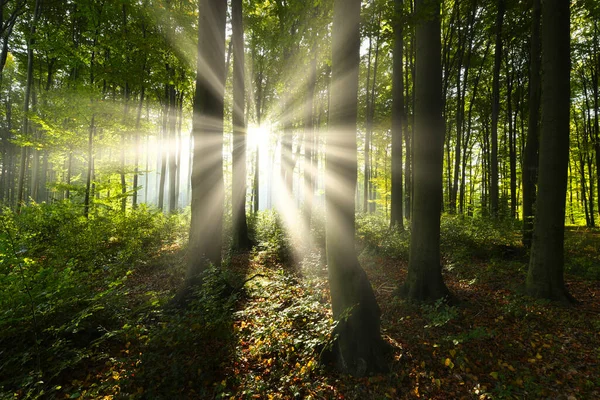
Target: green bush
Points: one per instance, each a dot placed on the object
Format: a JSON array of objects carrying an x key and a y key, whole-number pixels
[
  {"x": 374, "y": 232},
  {"x": 62, "y": 286},
  {"x": 467, "y": 238},
  {"x": 272, "y": 242}
]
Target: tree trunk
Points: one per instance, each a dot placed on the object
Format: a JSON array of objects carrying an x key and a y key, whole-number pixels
[
  {"x": 309, "y": 140},
  {"x": 595, "y": 90},
  {"x": 358, "y": 348},
  {"x": 163, "y": 151},
  {"x": 207, "y": 174},
  {"x": 136, "y": 160},
  {"x": 172, "y": 129},
  {"x": 409, "y": 77},
  {"x": 88, "y": 179},
  {"x": 545, "y": 277},
  {"x": 122, "y": 172},
  {"x": 398, "y": 117},
  {"x": 238, "y": 184},
  {"x": 28, "y": 87},
  {"x": 530, "y": 155},
  {"x": 424, "y": 280},
  {"x": 496, "y": 109}
]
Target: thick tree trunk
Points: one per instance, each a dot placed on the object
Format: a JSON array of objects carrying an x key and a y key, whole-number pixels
[
  {"x": 545, "y": 277},
  {"x": 207, "y": 174},
  {"x": 530, "y": 155},
  {"x": 424, "y": 280},
  {"x": 238, "y": 184},
  {"x": 398, "y": 117},
  {"x": 359, "y": 348}
]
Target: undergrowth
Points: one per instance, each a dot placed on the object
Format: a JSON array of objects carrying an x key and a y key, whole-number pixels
[{"x": 62, "y": 288}]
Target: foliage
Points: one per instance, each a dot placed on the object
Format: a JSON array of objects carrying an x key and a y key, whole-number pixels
[
  {"x": 268, "y": 232},
  {"x": 183, "y": 350},
  {"x": 581, "y": 253},
  {"x": 439, "y": 313},
  {"x": 463, "y": 239},
  {"x": 374, "y": 232},
  {"x": 62, "y": 287},
  {"x": 281, "y": 331}
]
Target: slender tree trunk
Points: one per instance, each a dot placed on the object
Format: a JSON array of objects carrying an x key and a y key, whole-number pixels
[
  {"x": 424, "y": 280},
  {"x": 136, "y": 160},
  {"x": 530, "y": 155},
  {"x": 511, "y": 135},
  {"x": 545, "y": 275},
  {"x": 90, "y": 168},
  {"x": 408, "y": 134},
  {"x": 163, "y": 151},
  {"x": 595, "y": 90},
  {"x": 367, "y": 167},
  {"x": 370, "y": 118},
  {"x": 309, "y": 139},
  {"x": 358, "y": 348},
  {"x": 122, "y": 171},
  {"x": 398, "y": 117},
  {"x": 28, "y": 87},
  {"x": 172, "y": 138},
  {"x": 496, "y": 109}
]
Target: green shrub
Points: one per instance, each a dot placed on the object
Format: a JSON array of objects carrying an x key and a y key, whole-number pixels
[
  {"x": 62, "y": 286},
  {"x": 272, "y": 242},
  {"x": 374, "y": 232}
]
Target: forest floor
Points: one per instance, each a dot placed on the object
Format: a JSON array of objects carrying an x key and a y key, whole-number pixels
[{"x": 258, "y": 329}]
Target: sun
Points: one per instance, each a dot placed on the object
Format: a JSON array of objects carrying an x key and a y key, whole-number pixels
[{"x": 258, "y": 137}]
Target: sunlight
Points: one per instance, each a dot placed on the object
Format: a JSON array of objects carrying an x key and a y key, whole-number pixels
[{"x": 258, "y": 137}]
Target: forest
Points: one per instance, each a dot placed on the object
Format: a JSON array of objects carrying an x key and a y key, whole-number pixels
[{"x": 319, "y": 199}]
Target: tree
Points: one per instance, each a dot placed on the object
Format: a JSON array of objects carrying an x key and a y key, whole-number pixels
[
  {"x": 207, "y": 173},
  {"x": 530, "y": 154},
  {"x": 398, "y": 117},
  {"x": 238, "y": 186},
  {"x": 424, "y": 280},
  {"x": 545, "y": 274},
  {"x": 496, "y": 108},
  {"x": 28, "y": 89},
  {"x": 359, "y": 347}
]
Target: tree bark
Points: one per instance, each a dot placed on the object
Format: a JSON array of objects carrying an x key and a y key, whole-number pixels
[
  {"x": 496, "y": 109},
  {"x": 309, "y": 140},
  {"x": 398, "y": 117},
  {"x": 172, "y": 129},
  {"x": 163, "y": 151},
  {"x": 207, "y": 174},
  {"x": 28, "y": 87},
  {"x": 530, "y": 155},
  {"x": 238, "y": 184},
  {"x": 136, "y": 160},
  {"x": 545, "y": 277},
  {"x": 424, "y": 280},
  {"x": 359, "y": 348}
]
